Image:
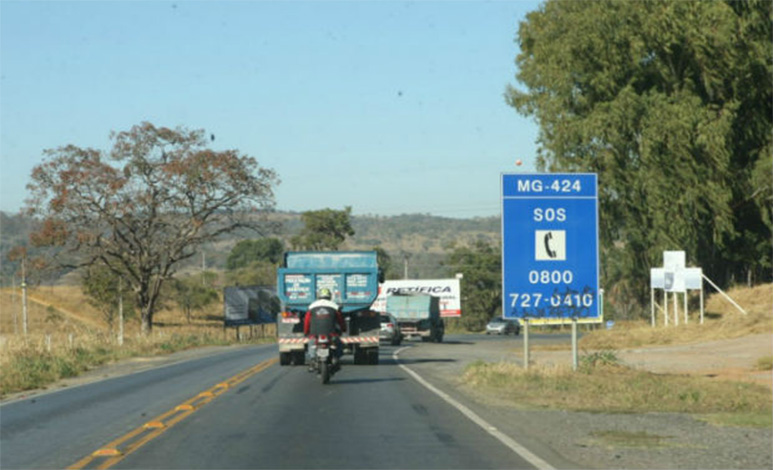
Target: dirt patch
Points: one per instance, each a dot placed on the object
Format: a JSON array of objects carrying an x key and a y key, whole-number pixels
[{"x": 728, "y": 359}]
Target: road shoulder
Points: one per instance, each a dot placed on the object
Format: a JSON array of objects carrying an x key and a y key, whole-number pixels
[{"x": 592, "y": 440}]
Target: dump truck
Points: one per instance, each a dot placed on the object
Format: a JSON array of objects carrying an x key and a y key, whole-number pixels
[
  {"x": 417, "y": 314},
  {"x": 352, "y": 277}
]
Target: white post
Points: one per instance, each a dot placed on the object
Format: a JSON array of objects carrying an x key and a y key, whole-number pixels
[
  {"x": 701, "y": 305},
  {"x": 676, "y": 311},
  {"x": 725, "y": 295},
  {"x": 120, "y": 312},
  {"x": 574, "y": 344},
  {"x": 686, "y": 320},
  {"x": 652, "y": 306},
  {"x": 526, "y": 343},
  {"x": 24, "y": 295},
  {"x": 665, "y": 307},
  {"x": 15, "y": 314}
]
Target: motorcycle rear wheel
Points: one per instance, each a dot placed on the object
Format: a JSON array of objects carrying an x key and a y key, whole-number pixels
[{"x": 324, "y": 372}]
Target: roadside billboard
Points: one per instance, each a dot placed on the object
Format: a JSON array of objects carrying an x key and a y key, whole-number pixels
[
  {"x": 446, "y": 289},
  {"x": 250, "y": 305}
]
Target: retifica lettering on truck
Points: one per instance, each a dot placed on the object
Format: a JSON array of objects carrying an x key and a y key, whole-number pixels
[{"x": 447, "y": 290}]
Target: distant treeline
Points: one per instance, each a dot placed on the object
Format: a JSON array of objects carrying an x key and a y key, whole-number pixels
[{"x": 420, "y": 241}]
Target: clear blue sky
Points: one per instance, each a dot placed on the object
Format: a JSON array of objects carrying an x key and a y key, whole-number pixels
[{"x": 390, "y": 107}]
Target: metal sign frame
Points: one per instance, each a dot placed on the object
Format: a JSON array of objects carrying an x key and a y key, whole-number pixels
[
  {"x": 250, "y": 305},
  {"x": 550, "y": 256}
]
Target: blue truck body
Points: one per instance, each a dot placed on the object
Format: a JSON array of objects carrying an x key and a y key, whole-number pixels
[{"x": 352, "y": 277}]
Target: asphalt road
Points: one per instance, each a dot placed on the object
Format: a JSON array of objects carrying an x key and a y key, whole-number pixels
[{"x": 276, "y": 417}]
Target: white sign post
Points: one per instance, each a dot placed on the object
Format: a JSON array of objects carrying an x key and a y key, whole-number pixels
[
  {"x": 657, "y": 281},
  {"x": 675, "y": 278},
  {"x": 673, "y": 263}
]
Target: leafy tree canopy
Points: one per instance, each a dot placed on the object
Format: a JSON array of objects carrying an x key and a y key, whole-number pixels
[
  {"x": 670, "y": 103},
  {"x": 481, "y": 286},
  {"x": 191, "y": 294},
  {"x": 324, "y": 230},
  {"x": 248, "y": 251},
  {"x": 144, "y": 206}
]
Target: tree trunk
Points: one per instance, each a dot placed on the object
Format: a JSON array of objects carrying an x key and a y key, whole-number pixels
[{"x": 147, "y": 322}]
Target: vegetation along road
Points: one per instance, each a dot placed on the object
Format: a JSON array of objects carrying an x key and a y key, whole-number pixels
[{"x": 414, "y": 410}]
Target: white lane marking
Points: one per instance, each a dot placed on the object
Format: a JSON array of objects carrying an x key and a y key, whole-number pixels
[{"x": 502, "y": 437}]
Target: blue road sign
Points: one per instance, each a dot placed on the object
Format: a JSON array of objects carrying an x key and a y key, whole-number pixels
[{"x": 550, "y": 253}]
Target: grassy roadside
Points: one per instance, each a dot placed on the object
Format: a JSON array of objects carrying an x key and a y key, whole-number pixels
[
  {"x": 601, "y": 384},
  {"x": 722, "y": 321},
  {"x": 67, "y": 337},
  {"x": 39, "y": 362},
  {"x": 604, "y": 384}
]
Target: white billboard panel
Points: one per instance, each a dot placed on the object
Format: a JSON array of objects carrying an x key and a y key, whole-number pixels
[
  {"x": 693, "y": 278},
  {"x": 673, "y": 260},
  {"x": 657, "y": 278},
  {"x": 447, "y": 289}
]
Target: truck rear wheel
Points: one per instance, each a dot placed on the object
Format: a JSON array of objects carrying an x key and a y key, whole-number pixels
[
  {"x": 359, "y": 356},
  {"x": 298, "y": 358},
  {"x": 284, "y": 359},
  {"x": 373, "y": 356}
]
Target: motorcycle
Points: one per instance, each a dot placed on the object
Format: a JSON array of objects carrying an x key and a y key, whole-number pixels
[{"x": 324, "y": 358}]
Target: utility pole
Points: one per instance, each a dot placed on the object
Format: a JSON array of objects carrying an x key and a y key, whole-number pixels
[
  {"x": 15, "y": 314},
  {"x": 24, "y": 294}
]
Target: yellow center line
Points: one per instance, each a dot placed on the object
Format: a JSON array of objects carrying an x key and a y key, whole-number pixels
[{"x": 118, "y": 449}]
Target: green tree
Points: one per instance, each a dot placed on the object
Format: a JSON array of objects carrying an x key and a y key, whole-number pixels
[
  {"x": 324, "y": 230},
  {"x": 146, "y": 205},
  {"x": 481, "y": 286},
  {"x": 257, "y": 273},
  {"x": 670, "y": 103},
  {"x": 103, "y": 288},
  {"x": 248, "y": 251},
  {"x": 384, "y": 262},
  {"x": 190, "y": 295}
]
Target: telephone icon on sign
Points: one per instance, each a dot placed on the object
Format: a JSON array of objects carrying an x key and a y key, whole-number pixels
[
  {"x": 550, "y": 245},
  {"x": 548, "y": 238}
]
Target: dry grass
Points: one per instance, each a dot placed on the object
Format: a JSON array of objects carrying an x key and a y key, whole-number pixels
[
  {"x": 722, "y": 321},
  {"x": 602, "y": 384},
  {"x": 66, "y": 336},
  {"x": 606, "y": 386}
]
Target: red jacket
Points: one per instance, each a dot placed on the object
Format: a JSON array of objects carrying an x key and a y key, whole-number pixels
[{"x": 307, "y": 321}]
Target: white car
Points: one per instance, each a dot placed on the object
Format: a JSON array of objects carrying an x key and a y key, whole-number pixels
[
  {"x": 501, "y": 326},
  {"x": 390, "y": 330}
]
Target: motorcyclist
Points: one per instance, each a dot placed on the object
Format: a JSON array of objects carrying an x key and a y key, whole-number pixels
[{"x": 324, "y": 317}]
